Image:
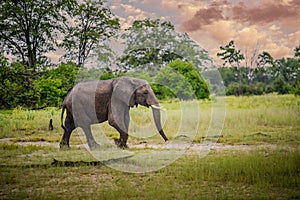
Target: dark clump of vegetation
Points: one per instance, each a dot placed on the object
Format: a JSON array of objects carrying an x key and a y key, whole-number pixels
[{"x": 263, "y": 75}]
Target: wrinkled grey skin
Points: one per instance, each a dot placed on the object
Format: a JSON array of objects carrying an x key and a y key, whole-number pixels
[{"x": 93, "y": 102}]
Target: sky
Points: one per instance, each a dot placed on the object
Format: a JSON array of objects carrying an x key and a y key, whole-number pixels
[{"x": 271, "y": 25}]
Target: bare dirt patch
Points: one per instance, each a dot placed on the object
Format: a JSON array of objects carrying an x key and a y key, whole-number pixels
[{"x": 189, "y": 148}]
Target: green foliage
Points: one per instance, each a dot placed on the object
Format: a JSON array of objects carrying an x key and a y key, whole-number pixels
[
  {"x": 230, "y": 55},
  {"x": 92, "y": 22},
  {"x": 107, "y": 74},
  {"x": 183, "y": 80},
  {"x": 66, "y": 72},
  {"x": 157, "y": 43},
  {"x": 288, "y": 70},
  {"x": 49, "y": 92},
  {"x": 297, "y": 52},
  {"x": 19, "y": 89},
  {"x": 54, "y": 85},
  {"x": 162, "y": 91},
  {"x": 16, "y": 86},
  {"x": 282, "y": 77},
  {"x": 256, "y": 88},
  {"x": 28, "y": 29},
  {"x": 281, "y": 86}
]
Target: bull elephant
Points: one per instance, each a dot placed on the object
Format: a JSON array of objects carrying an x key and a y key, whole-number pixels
[{"x": 92, "y": 102}]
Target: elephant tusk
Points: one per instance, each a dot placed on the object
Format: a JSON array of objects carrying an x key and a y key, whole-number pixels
[{"x": 157, "y": 107}]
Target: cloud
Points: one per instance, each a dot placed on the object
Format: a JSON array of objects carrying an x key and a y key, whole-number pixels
[
  {"x": 274, "y": 24},
  {"x": 267, "y": 12},
  {"x": 204, "y": 16},
  {"x": 220, "y": 30},
  {"x": 259, "y": 13}
]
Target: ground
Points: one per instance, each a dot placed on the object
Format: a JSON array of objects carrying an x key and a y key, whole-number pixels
[{"x": 257, "y": 156}]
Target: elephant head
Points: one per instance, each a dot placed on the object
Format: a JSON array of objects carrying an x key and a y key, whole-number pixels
[{"x": 133, "y": 92}]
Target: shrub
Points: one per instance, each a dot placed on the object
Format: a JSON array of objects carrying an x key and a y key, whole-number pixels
[{"x": 183, "y": 80}]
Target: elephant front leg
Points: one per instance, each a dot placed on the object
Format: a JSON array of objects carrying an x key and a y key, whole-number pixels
[
  {"x": 90, "y": 139},
  {"x": 122, "y": 141},
  {"x": 121, "y": 125}
]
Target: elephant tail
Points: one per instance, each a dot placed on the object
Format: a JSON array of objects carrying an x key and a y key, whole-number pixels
[{"x": 62, "y": 116}]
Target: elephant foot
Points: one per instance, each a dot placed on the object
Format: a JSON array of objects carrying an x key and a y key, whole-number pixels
[
  {"x": 64, "y": 146},
  {"x": 94, "y": 146},
  {"x": 120, "y": 143}
]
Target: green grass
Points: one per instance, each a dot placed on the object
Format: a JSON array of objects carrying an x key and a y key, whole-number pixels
[
  {"x": 270, "y": 169},
  {"x": 249, "y": 120},
  {"x": 262, "y": 174},
  {"x": 262, "y": 119}
]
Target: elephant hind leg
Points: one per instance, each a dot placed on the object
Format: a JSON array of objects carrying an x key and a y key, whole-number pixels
[{"x": 68, "y": 128}]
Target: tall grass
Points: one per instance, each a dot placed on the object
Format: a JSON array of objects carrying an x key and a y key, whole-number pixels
[{"x": 249, "y": 120}]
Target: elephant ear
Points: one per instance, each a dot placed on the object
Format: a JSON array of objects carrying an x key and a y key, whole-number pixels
[{"x": 124, "y": 89}]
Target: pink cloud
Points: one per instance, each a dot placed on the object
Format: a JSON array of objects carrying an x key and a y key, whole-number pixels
[
  {"x": 214, "y": 23},
  {"x": 274, "y": 23},
  {"x": 265, "y": 13},
  {"x": 204, "y": 16}
]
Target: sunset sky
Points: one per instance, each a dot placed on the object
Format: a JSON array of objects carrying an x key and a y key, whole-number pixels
[{"x": 273, "y": 24}]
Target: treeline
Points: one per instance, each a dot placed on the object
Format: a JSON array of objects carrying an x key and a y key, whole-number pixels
[
  {"x": 152, "y": 50},
  {"x": 178, "y": 79},
  {"x": 258, "y": 73},
  {"x": 30, "y": 30},
  {"x": 282, "y": 77}
]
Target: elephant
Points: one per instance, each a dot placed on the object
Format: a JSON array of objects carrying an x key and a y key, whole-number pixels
[{"x": 93, "y": 102}]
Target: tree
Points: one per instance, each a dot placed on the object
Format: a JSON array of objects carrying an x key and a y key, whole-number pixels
[
  {"x": 232, "y": 57},
  {"x": 53, "y": 86},
  {"x": 28, "y": 29},
  {"x": 287, "y": 70},
  {"x": 265, "y": 59},
  {"x": 297, "y": 52},
  {"x": 156, "y": 43},
  {"x": 253, "y": 63},
  {"x": 91, "y": 24}
]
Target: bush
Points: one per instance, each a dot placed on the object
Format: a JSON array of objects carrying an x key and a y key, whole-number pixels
[
  {"x": 281, "y": 87},
  {"x": 54, "y": 85},
  {"x": 21, "y": 87},
  {"x": 162, "y": 92},
  {"x": 255, "y": 89},
  {"x": 296, "y": 90},
  {"x": 183, "y": 80},
  {"x": 16, "y": 86}
]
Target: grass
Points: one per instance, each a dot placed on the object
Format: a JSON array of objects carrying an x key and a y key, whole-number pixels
[
  {"x": 254, "y": 174},
  {"x": 268, "y": 170}
]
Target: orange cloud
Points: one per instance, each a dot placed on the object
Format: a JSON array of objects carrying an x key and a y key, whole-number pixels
[{"x": 274, "y": 24}]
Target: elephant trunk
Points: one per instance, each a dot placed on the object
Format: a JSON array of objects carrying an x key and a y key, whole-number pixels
[
  {"x": 156, "y": 116},
  {"x": 153, "y": 102}
]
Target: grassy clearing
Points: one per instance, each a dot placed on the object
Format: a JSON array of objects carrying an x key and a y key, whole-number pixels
[
  {"x": 262, "y": 119},
  {"x": 28, "y": 172},
  {"x": 249, "y": 120},
  {"x": 264, "y": 174}
]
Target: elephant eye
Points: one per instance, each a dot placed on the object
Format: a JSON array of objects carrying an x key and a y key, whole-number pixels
[{"x": 146, "y": 92}]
